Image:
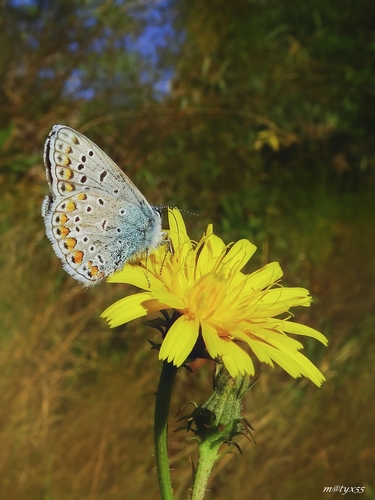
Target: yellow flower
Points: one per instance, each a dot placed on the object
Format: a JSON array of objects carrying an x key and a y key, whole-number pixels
[{"x": 217, "y": 303}]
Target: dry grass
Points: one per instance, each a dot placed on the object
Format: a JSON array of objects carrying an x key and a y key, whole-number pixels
[{"x": 77, "y": 399}]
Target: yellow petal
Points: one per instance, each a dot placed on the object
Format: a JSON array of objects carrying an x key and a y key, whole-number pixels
[
  {"x": 177, "y": 229},
  {"x": 291, "y": 327},
  {"x": 287, "y": 362},
  {"x": 209, "y": 230},
  {"x": 260, "y": 353},
  {"x": 310, "y": 370},
  {"x": 278, "y": 340},
  {"x": 135, "y": 275},
  {"x": 291, "y": 297},
  {"x": 179, "y": 340},
  {"x": 212, "y": 341},
  {"x": 237, "y": 361},
  {"x": 171, "y": 300},
  {"x": 295, "y": 363},
  {"x": 129, "y": 308},
  {"x": 210, "y": 254},
  {"x": 239, "y": 254},
  {"x": 264, "y": 277}
]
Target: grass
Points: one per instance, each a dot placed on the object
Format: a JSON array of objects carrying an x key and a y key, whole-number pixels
[{"x": 77, "y": 399}]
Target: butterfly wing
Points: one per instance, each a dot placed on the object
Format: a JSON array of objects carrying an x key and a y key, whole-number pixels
[{"x": 95, "y": 216}]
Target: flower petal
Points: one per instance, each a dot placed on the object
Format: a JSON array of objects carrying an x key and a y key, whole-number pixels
[
  {"x": 292, "y": 327},
  {"x": 264, "y": 277},
  {"x": 177, "y": 229},
  {"x": 239, "y": 254},
  {"x": 290, "y": 297},
  {"x": 295, "y": 363},
  {"x": 134, "y": 275},
  {"x": 171, "y": 300},
  {"x": 132, "y": 307},
  {"x": 277, "y": 339},
  {"x": 237, "y": 361},
  {"x": 179, "y": 340},
  {"x": 308, "y": 369},
  {"x": 210, "y": 254},
  {"x": 212, "y": 341}
]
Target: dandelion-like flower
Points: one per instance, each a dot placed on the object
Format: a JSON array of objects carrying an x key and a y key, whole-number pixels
[{"x": 217, "y": 303}]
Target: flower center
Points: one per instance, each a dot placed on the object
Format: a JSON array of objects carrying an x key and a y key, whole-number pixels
[{"x": 207, "y": 295}]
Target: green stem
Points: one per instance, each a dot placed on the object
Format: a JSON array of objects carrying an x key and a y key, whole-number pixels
[
  {"x": 163, "y": 397},
  {"x": 208, "y": 453}
]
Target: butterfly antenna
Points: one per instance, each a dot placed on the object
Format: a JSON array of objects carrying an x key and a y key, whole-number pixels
[{"x": 161, "y": 207}]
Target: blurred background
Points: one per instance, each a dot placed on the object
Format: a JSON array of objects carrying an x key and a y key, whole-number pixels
[{"x": 256, "y": 115}]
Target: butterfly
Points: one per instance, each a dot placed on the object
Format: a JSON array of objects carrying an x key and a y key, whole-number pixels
[{"x": 95, "y": 217}]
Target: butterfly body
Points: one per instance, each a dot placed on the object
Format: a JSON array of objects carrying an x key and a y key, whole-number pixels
[{"x": 95, "y": 217}]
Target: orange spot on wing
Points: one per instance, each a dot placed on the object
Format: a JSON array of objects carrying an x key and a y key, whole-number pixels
[
  {"x": 82, "y": 196},
  {"x": 63, "y": 218},
  {"x": 64, "y": 231},
  {"x": 94, "y": 270},
  {"x": 70, "y": 206},
  {"x": 77, "y": 257},
  {"x": 68, "y": 187},
  {"x": 70, "y": 243},
  {"x": 67, "y": 173}
]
